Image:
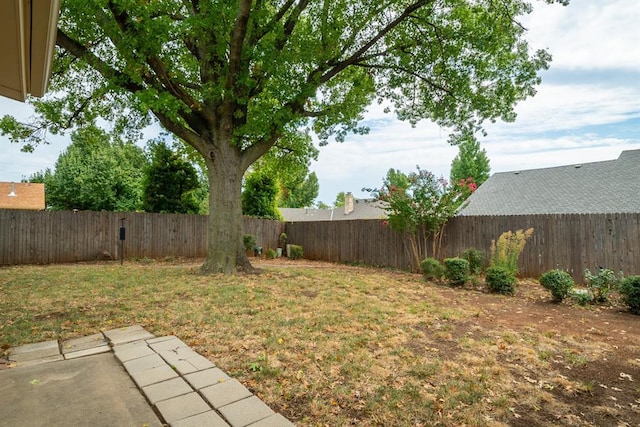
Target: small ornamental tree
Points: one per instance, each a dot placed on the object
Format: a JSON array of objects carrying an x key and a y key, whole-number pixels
[{"x": 422, "y": 210}]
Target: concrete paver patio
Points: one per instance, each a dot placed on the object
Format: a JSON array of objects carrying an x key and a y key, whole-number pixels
[{"x": 124, "y": 376}]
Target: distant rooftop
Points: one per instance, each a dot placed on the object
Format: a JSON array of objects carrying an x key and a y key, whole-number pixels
[
  {"x": 352, "y": 209},
  {"x": 21, "y": 195},
  {"x": 611, "y": 186}
]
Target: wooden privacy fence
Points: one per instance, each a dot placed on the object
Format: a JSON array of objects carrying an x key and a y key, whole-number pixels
[
  {"x": 568, "y": 242},
  {"x": 41, "y": 237}
]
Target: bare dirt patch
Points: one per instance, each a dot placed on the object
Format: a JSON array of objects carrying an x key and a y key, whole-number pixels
[{"x": 594, "y": 376}]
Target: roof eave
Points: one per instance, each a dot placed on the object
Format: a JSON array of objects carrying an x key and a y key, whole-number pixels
[{"x": 27, "y": 41}]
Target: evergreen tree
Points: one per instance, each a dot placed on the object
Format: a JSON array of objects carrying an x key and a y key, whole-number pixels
[
  {"x": 397, "y": 178},
  {"x": 259, "y": 196},
  {"x": 169, "y": 182},
  {"x": 471, "y": 161}
]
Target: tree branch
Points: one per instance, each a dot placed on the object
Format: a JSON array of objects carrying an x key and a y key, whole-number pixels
[
  {"x": 188, "y": 135},
  {"x": 80, "y": 51},
  {"x": 411, "y": 73},
  {"x": 236, "y": 44},
  {"x": 155, "y": 63},
  {"x": 355, "y": 57},
  {"x": 257, "y": 36}
]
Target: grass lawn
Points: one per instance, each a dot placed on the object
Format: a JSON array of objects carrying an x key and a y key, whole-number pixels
[{"x": 338, "y": 345}]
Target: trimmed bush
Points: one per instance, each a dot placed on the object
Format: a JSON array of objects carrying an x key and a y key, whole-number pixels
[
  {"x": 432, "y": 269},
  {"x": 501, "y": 279},
  {"x": 475, "y": 258},
  {"x": 630, "y": 290},
  {"x": 295, "y": 251},
  {"x": 456, "y": 270},
  {"x": 249, "y": 242},
  {"x": 602, "y": 284},
  {"x": 271, "y": 254},
  {"x": 558, "y": 282},
  {"x": 581, "y": 296}
]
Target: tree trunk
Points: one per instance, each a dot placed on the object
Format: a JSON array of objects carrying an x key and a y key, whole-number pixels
[{"x": 225, "y": 251}]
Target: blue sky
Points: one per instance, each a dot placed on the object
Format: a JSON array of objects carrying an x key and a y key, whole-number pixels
[{"x": 587, "y": 109}]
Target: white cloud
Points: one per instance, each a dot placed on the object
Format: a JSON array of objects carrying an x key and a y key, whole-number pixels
[
  {"x": 564, "y": 107},
  {"x": 590, "y": 35}
]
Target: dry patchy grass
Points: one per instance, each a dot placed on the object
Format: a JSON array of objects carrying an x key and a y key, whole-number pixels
[{"x": 336, "y": 345}]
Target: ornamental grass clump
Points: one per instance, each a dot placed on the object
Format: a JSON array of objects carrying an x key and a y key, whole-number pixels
[
  {"x": 503, "y": 264},
  {"x": 506, "y": 251},
  {"x": 558, "y": 282}
]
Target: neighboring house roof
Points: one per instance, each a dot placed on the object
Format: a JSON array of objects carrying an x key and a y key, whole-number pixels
[
  {"x": 353, "y": 209},
  {"x": 610, "y": 186},
  {"x": 21, "y": 195}
]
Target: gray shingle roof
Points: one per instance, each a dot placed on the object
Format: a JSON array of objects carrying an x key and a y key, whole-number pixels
[
  {"x": 362, "y": 209},
  {"x": 611, "y": 186}
]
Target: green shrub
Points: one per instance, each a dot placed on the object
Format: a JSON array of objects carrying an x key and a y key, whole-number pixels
[
  {"x": 558, "y": 282},
  {"x": 271, "y": 254},
  {"x": 456, "y": 270},
  {"x": 295, "y": 251},
  {"x": 475, "y": 258},
  {"x": 432, "y": 269},
  {"x": 602, "y": 284},
  {"x": 249, "y": 242},
  {"x": 630, "y": 290},
  {"x": 581, "y": 296},
  {"x": 501, "y": 279}
]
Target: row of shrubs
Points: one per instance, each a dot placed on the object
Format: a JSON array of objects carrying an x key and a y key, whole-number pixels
[
  {"x": 502, "y": 278},
  {"x": 460, "y": 270},
  {"x": 295, "y": 252},
  {"x": 599, "y": 287}
]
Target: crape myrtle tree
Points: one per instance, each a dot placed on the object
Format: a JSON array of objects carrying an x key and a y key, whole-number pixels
[
  {"x": 419, "y": 205},
  {"x": 232, "y": 78}
]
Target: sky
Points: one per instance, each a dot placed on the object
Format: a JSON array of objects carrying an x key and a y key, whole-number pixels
[{"x": 587, "y": 109}]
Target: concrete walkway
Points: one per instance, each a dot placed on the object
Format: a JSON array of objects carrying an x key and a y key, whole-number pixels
[{"x": 124, "y": 377}]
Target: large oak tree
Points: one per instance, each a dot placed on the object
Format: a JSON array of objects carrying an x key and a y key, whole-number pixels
[{"x": 233, "y": 78}]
